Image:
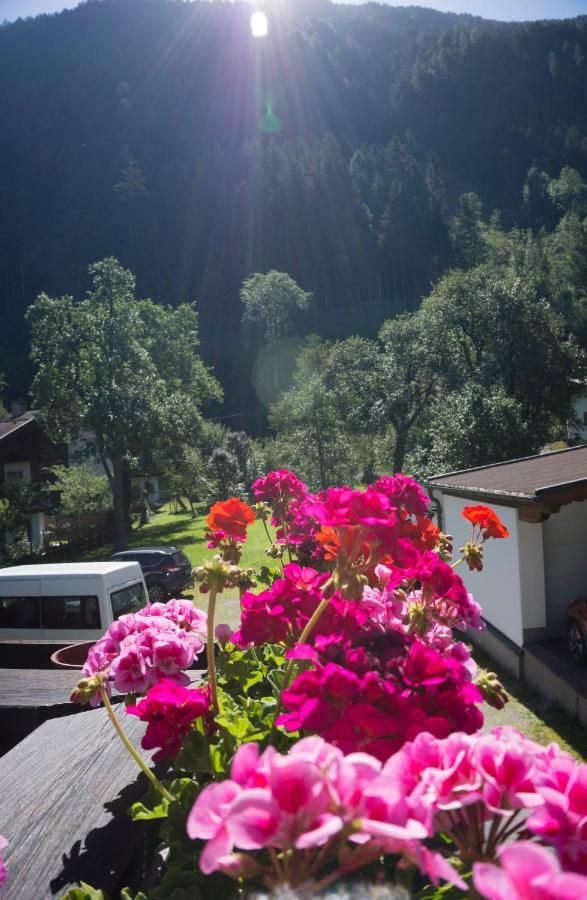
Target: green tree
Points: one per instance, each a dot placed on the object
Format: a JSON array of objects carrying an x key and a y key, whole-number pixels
[
  {"x": 186, "y": 476},
  {"x": 413, "y": 363},
  {"x": 498, "y": 331},
  {"x": 350, "y": 372},
  {"x": 469, "y": 428},
  {"x": 80, "y": 490},
  {"x": 116, "y": 367},
  {"x": 311, "y": 436},
  {"x": 467, "y": 231},
  {"x": 275, "y": 302}
]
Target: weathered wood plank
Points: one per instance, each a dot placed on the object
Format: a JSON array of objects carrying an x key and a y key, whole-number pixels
[
  {"x": 65, "y": 790},
  {"x": 36, "y": 687}
]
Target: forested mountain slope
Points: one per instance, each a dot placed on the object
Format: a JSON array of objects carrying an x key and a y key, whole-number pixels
[{"x": 335, "y": 149}]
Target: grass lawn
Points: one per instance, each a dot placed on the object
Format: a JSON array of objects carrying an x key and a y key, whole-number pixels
[
  {"x": 181, "y": 530},
  {"x": 541, "y": 721}
]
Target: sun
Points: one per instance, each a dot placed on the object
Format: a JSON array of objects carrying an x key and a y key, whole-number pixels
[{"x": 259, "y": 24}]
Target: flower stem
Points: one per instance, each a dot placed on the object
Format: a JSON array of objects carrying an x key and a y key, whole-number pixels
[
  {"x": 310, "y": 625},
  {"x": 137, "y": 758},
  {"x": 210, "y": 651}
]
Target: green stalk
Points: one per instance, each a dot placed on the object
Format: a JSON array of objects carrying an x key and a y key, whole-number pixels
[
  {"x": 210, "y": 651},
  {"x": 310, "y": 624},
  {"x": 137, "y": 758}
]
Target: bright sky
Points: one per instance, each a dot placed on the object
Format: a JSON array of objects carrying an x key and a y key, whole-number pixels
[{"x": 489, "y": 9}]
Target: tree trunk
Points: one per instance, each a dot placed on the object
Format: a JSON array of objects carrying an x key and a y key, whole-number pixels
[
  {"x": 399, "y": 453},
  {"x": 118, "y": 502}
]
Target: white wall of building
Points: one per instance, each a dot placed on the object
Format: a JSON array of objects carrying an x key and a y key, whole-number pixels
[
  {"x": 565, "y": 561},
  {"x": 498, "y": 588},
  {"x": 533, "y": 591}
]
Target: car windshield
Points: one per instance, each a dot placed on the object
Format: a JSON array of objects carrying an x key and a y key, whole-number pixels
[{"x": 128, "y": 600}]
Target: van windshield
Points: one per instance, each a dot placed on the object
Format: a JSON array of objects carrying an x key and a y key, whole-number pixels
[{"x": 128, "y": 600}]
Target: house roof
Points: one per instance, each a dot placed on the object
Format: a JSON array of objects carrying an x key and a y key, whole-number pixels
[
  {"x": 13, "y": 425},
  {"x": 550, "y": 478}
]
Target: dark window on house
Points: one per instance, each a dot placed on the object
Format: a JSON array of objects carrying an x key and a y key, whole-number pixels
[
  {"x": 20, "y": 612},
  {"x": 70, "y": 612},
  {"x": 128, "y": 600}
]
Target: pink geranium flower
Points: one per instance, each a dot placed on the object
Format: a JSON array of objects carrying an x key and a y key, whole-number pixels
[
  {"x": 279, "y": 486},
  {"x": 159, "y": 641},
  {"x": 527, "y": 872},
  {"x": 562, "y": 819},
  {"x": 170, "y": 710},
  {"x": 403, "y": 491},
  {"x": 311, "y": 797}
]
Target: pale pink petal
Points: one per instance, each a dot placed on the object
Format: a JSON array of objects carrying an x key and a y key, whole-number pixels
[
  {"x": 253, "y": 819},
  {"x": 324, "y": 828},
  {"x": 215, "y": 850},
  {"x": 493, "y": 882},
  {"x": 209, "y": 812}
]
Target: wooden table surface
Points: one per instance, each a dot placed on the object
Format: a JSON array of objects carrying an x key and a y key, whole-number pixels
[
  {"x": 65, "y": 791},
  {"x": 33, "y": 688}
]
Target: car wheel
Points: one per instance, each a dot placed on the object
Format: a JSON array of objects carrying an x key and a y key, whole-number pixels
[
  {"x": 157, "y": 593},
  {"x": 576, "y": 642}
]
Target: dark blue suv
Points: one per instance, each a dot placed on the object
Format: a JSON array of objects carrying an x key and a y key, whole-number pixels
[{"x": 167, "y": 570}]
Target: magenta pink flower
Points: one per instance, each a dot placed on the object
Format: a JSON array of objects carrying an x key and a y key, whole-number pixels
[
  {"x": 279, "y": 486},
  {"x": 170, "y": 710},
  {"x": 379, "y": 689},
  {"x": 404, "y": 492},
  {"x": 224, "y": 634},
  {"x": 3, "y": 846},
  {"x": 527, "y": 872},
  {"x": 562, "y": 819}
]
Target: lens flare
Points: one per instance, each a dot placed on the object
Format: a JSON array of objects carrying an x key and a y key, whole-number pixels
[{"x": 259, "y": 24}]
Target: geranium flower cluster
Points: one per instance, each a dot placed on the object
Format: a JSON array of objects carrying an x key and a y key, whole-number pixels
[
  {"x": 279, "y": 614},
  {"x": 312, "y": 800},
  {"x": 485, "y": 789},
  {"x": 227, "y": 523},
  {"x": 379, "y": 689},
  {"x": 170, "y": 711},
  {"x": 140, "y": 649},
  {"x": 318, "y": 809},
  {"x": 284, "y": 495}
]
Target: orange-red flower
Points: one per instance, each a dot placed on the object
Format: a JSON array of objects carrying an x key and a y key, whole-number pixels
[
  {"x": 487, "y": 520},
  {"x": 423, "y": 534},
  {"x": 232, "y": 517}
]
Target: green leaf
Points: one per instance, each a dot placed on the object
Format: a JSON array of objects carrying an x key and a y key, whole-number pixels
[
  {"x": 84, "y": 892},
  {"x": 141, "y": 813}
]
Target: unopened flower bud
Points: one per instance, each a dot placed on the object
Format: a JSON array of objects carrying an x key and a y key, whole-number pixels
[
  {"x": 473, "y": 556},
  {"x": 444, "y": 546},
  {"x": 492, "y": 689},
  {"x": 87, "y": 688},
  {"x": 262, "y": 510}
]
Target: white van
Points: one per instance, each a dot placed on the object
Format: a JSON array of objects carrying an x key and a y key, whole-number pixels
[{"x": 67, "y": 601}]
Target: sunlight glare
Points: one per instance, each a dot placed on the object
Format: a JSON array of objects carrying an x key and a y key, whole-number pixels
[{"x": 259, "y": 24}]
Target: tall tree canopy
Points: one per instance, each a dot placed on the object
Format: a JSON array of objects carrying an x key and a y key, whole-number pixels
[
  {"x": 336, "y": 150},
  {"x": 125, "y": 370}
]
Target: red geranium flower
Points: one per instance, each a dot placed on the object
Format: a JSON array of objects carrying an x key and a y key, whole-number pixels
[
  {"x": 232, "y": 517},
  {"x": 487, "y": 520}
]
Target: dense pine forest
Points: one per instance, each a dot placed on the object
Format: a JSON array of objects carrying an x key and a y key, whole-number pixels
[{"x": 363, "y": 150}]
